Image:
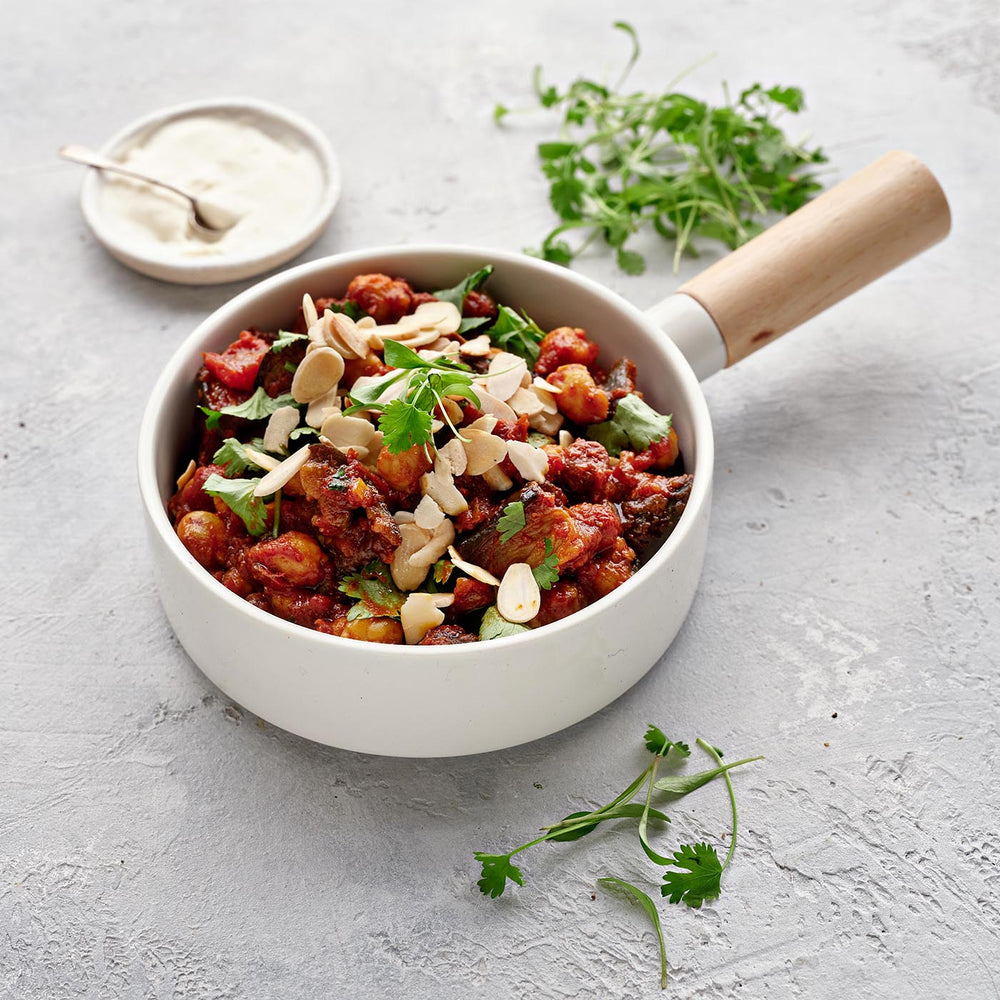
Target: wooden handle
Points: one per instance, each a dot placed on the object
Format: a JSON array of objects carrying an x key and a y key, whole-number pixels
[{"x": 828, "y": 249}]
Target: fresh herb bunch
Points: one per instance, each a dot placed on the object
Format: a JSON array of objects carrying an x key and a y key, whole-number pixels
[
  {"x": 628, "y": 162},
  {"x": 692, "y": 873}
]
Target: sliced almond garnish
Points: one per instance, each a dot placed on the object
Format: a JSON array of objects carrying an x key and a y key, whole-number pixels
[
  {"x": 278, "y": 477},
  {"x": 487, "y": 423},
  {"x": 436, "y": 546},
  {"x": 530, "y": 461},
  {"x": 404, "y": 517},
  {"x": 497, "y": 479},
  {"x": 366, "y": 323},
  {"x": 540, "y": 383},
  {"x": 445, "y": 316},
  {"x": 418, "y": 616},
  {"x": 266, "y": 462},
  {"x": 447, "y": 346},
  {"x": 504, "y": 376},
  {"x": 348, "y": 432},
  {"x": 281, "y": 423},
  {"x": 443, "y": 600},
  {"x": 428, "y": 515},
  {"x": 482, "y": 451},
  {"x": 547, "y": 423},
  {"x": 490, "y": 404},
  {"x": 471, "y": 569},
  {"x": 454, "y": 455},
  {"x": 309, "y": 313},
  {"x": 321, "y": 407},
  {"x": 319, "y": 372},
  {"x": 518, "y": 598},
  {"x": 441, "y": 486},
  {"x": 390, "y": 392},
  {"x": 526, "y": 402},
  {"x": 343, "y": 336},
  {"x": 405, "y": 575},
  {"x": 478, "y": 347},
  {"x": 547, "y": 400},
  {"x": 453, "y": 410},
  {"x": 565, "y": 439},
  {"x": 185, "y": 477}
]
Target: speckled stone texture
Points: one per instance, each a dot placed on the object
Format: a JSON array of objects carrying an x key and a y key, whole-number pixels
[{"x": 157, "y": 842}]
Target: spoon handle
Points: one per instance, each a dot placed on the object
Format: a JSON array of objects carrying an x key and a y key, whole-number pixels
[{"x": 91, "y": 158}]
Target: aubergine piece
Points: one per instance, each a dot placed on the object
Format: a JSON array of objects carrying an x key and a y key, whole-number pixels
[
  {"x": 620, "y": 380},
  {"x": 654, "y": 507},
  {"x": 577, "y": 533}
]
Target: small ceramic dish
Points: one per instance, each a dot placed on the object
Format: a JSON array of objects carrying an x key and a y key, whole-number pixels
[{"x": 227, "y": 261}]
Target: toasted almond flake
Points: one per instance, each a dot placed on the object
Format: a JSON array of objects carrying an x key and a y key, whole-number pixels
[
  {"x": 487, "y": 423},
  {"x": 565, "y": 439},
  {"x": 445, "y": 316},
  {"x": 478, "y": 347},
  {"x": 319, "y": 372},
  {"x": 547, "y": 400},
  {"x": 418, "y": 338},
  {"x": 482, "y": 451},
  {"x": 428, "y": 514},
  {"x": 418, "y": 616},
  {"x": 444, "y": 535},
  {"x": 443, "y": 600},
  {"x": 490, "y": 404},
  {"x": 278, "y": 477},
  {"x": 540, "y": 383},
  {"x": 309, "y": 313},
  {"x": 266, "y": 462},
  {"x": 441, "y": 486},
  {"x": 361, "y": 454},
  {"x": 453, "y": 454},
  {"x": 348, "y": 432},
  {"x": 413, "y": 539},
  {"x": 185, "y": 477},
  {"x": 518, "y": 598},
  {"x": 321, "y": 407},
  {"x": 497, "y": 479},
  {"x": 388, "y": 394},
  {"x": 366, "y": 323},
  {"x": 526, "y": 379},
  {"x": 471, "y": 569},
  {"x": 526, "y": 402},
  {"x": 530, "y": 461},
  {"x": 403, "y": 517},
  {"x": 447, "y": 346},
  {"x": 280, "y": 424},
  {"x": 343, "y": 336},
  {"x": 547, "y": 423},
  {"x": 504, "y": 375},
  {"x": 452, "y": 409}
]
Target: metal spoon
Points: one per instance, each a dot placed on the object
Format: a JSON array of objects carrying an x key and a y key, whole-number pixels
[{"x": 221, "y": 220}]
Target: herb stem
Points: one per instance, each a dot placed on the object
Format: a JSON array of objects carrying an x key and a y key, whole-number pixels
[{"x": 710, "y": 750}]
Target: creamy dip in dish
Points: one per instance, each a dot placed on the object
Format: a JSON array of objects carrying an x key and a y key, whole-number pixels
[{"x": 233, "y": 168}]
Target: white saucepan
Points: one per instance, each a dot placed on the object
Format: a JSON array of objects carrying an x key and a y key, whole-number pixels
[{"x": 449, "y": 700}]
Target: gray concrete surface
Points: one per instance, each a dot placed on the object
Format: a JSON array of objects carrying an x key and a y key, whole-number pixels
[{"x": 157, "y": 842}]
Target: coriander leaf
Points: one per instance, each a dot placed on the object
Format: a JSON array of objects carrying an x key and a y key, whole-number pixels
[
  {"x": 635, "y": 424},
  {"x": 367, "y": 397},
  {"x": 302, "y": 432},
  {"x": 238, "y": 496},
  {"x": 375, "y": 591},
  {"x": 442, "y": 571},
  {"x": 657, "y": 742},
  {"x": 470, "y": 283},
  {"x": 398, "y": 355},
  {"x": 630, "y": 261},
  {"x": 511, "y": 521},
  {"x": 545, "y": 573},
  {"x": 494, "y": 626},
  {"x": 497, "y": 869},
  {"x": 212, "y": 417},
  {"x": 699, "y": 878},
  {"x": 403, "y": 425},
  {"x": 259, "y": 405},
  {"x": 516, "y": 334},
  {"x": 348, "y": 307},
  {"x": 617, "y": 884},
  {"x": 682, "y": 784},
  {"x": 232, "y": 456},
  {"x": 471, "y": 323},
  {"x": 630, "y": 810},
  {"x": 285, "y": 339},
  {"x": 500, "y": 111},
  {"x": 339, "y": 481}
]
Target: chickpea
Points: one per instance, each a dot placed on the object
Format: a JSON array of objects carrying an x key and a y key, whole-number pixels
[
  {"x": 293, "y": 559},
  {"x": 385, "y": 630},
  {"x": 203, "y": 534},
  {"x": 581, "y": 399},
  {"x": 403, "y": 471}
]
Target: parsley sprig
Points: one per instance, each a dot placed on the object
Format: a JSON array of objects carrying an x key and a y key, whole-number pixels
[
  {"x": 627, "y": 162},
  {"x": 407, "y": 420}
]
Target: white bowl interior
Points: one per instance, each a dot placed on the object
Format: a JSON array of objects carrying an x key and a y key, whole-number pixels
[{"x": 443, "y": 700}]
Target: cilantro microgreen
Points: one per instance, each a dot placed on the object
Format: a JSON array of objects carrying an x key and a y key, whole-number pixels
[
  {"x": 348, "y": 307},
  {"x": 635, "y": 425},
  {"x": 693, "y": 872},
  {"x": 238, "y": 496},
  {"x": 516, "y": 334},
  {"x": 667, "y": 162},
  {"x": 546, "y": 573},
  {"x": 511, "y": 521},
  {"x": 617, "y": 884},
  {"x": 470, "y": 283},
  {"x": 285, "y": 339}
]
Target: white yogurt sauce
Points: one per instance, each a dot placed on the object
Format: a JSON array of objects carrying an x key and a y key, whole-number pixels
[{"x": 230, "y": 164}]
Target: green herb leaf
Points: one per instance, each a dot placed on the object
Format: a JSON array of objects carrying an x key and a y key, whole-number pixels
[
  {"x": 495, "y": 626},
  {"x": 286, "y": 338},
  {"x": 546, "y": 573},
  {"x": 511, "y": 521},
  {"x": 617, "y": 884},
  {"x": 302, "y": 432},
  {"x": 497, "y": 869},
  {"x": 374, "y": 590},
  {"x": 212, "y": 418},
  {"x": 238, "y": 496},
  {"x": 348, "y": 307},
  {"x": 635, "y": 425},
  {"x": 259, "y": 405},
  {"x": 516, "y": 334},
  {"x": 682, "y": 784},
  {"x": 470, "y": 283},
  {"x": 657, "y": 742},
  {"x": 338, "y": 482},
  {"x": 404, "y": 425},
  {"x": 630, "y": 810},
  {"x": 699, "y": 878},
  {"x": 232, "y": 456},
  {"x": 500, "y": 111}
]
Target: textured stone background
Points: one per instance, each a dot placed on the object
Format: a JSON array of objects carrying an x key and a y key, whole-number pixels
[{"x": 157, "y": 842}]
